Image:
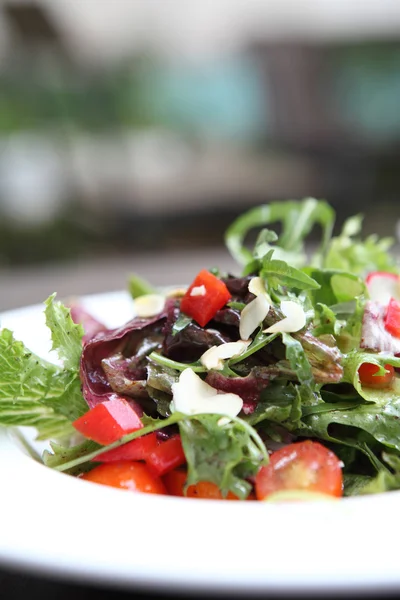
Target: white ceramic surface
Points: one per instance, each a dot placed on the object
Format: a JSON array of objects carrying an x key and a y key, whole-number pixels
[{"x": 53, "y": 523}]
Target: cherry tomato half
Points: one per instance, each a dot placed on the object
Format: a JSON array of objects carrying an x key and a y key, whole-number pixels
[
  {"x": 127, "y": 475},
  {"x": 305, "y": 465},
  {"x": 175, "y": 480},
  {"x": 366, "y": 373}
]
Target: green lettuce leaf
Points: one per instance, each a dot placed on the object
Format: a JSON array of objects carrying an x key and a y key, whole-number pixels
[
  {"x": 352, "y": 362},
  {"x": 385, "y": 480},
  {"x": 348, "y": 252},
  {"x": 65, "y": 334},
  {"x": 32, "y": 390},
  {"x": 137, "y": 286},
  {"x": 35, "y": 392}
]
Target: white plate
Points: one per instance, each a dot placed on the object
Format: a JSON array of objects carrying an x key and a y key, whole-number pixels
[{"x": 54, "y": 524}]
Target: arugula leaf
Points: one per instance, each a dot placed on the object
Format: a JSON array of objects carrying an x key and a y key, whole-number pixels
[
  {"x": 297, "y": 218},
  {"x": 225, "y": 453},
  {"x": 61, "y": 455},
  {"x": 300, "y": 364},
  {"x": 372, "y": 423},
  {"x": 279, "y": 403},
  {"x": 278, "y": 273}
]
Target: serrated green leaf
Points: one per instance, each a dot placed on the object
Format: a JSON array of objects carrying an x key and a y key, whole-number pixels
[
  {"x": 66, "y": 335},
  {"x": 30, "y": 389}
]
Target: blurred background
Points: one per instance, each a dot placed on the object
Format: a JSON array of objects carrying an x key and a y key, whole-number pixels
[{"x": 132, "y": 132}]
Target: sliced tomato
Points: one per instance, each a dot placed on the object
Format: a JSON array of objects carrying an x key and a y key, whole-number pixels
[
  {"x": 175, "y": 481},
  {"x": 204, "y": 297},
  {"x": 305, "y": 465},
  {"x": 108, "y": 421},
  {"x": 137, "y": 449},
  {"x": 167, "y": 455},
  {"x": 367, "y": 374},
  {"x": 392, "y": 318},
  {"x": 127, "y": 475}
]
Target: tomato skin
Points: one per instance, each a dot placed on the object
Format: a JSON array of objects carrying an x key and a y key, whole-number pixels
[
  {"x": 203, "y": 307},
  {"x": 108, "y": 421},
  {"x": 127, "y": 475},
  {"x": 366, "y": 373},
  {"x": 392, "y": 318},
  {"x": 305, "y": 465},
  {"x": 175, "y": 481}
]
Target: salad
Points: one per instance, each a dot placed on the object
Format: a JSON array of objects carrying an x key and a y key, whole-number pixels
[{"x": 280, "y": 381}]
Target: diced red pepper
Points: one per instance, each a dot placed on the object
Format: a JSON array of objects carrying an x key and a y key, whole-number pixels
[
  {"x": 392, "y": 318},
  {"x": 168, "y": 455},
  {"x": 202, "y": 304},
  {"x": 108, "y": 421},
  {"x": 137, "y": 449}
]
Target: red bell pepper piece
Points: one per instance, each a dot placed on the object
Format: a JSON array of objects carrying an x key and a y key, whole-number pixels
[
  {"x": 137, "y": 449},
  {"x": 108, "y": 421},
  {"x": 202, "y": 303},
  {"x": 392, "y": 318},
  {"x": 168, "y": 455}
]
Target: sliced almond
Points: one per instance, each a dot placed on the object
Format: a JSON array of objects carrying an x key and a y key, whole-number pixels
[
  {"x": 176, "y": 292},
  {"x": 257, "y": 287},
  {"x": 193, "y": 396},
  {"x": 295, "y": 318},
  {"x": 149, "y": 305},
  {"x": 214, "y": 357},
  {"x": 252, "y": 315}
]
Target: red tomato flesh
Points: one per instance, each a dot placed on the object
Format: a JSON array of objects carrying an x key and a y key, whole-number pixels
[
  {"x": 108, "y": 421},
  {"x": 392, "y": 318},
  {"x": 137, "y": 449},
  {"x": 306, "y": 466},
  {"x": 202, "y": 307},
  {"x": 126, "y": 475},
  {"x": 175, "y": 481},
  {"x": 367, "y": 374}
]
